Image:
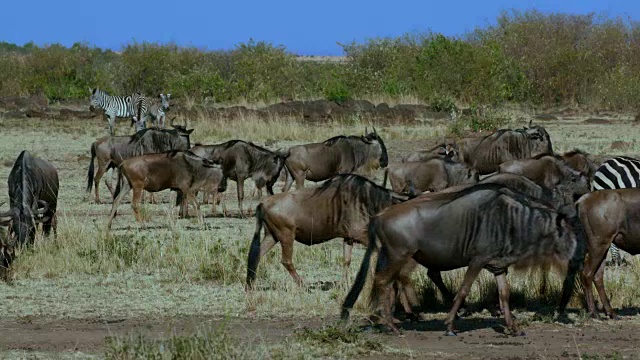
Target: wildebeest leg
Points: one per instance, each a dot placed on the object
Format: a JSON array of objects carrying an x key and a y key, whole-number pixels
[
  {"x": 194, "y": 200},
  {"x": 135, "y": 203},
  {"x": 503, "y": 291},
  {"x": 469, "y": 277},
  {"x": 286, "y": 239},
  {"x": 595, "y": 259},
  {"x": 116, "y": 203},
  {"x": 544, "y": 268},
  {"x": 240, "y": 184},
  {"x": 406, "y": 292},
  {"x": 347, "y": 248},
  {"x": 599, "y": 281},
  {"x": 436, "y": 277},
  {"x": 383, "y": 289},
  {"x": 96, "y": 181}
]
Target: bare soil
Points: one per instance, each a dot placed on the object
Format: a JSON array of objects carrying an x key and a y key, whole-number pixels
[{"x": 478, "y": 338}]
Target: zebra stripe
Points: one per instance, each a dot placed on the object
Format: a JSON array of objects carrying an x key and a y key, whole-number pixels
[{"x": 620, "y": 172}]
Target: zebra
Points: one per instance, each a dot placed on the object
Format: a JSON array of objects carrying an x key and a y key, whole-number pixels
[
  {"x": 113, "y": 106},
  {"x": 157, "y": 111},
  {"x": 140, "y": 108},
  {"x": 621, "y": 172}
]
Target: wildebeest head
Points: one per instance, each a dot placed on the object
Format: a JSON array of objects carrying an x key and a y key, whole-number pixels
[
  {"x": 540, "y": 141},
  {"x": 139, "y": 124},
  {"x": 574, "y": 185},
  {"x": 23, "y": 221},
  {"x": 374, "y": 138}
]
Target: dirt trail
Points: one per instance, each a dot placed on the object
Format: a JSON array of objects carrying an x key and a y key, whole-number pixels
[{"x": 479, "y": 338}]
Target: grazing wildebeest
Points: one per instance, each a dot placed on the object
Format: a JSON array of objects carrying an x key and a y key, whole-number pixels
[
  {"x": 33, "y": 192},
  {"x": 552, "y": 172},
  {"x": 620, "y": 172},
  {"x": 338, "y": 155},
  {"x": 182, "y": 171},
  {"x": 485, "y": 226},
  {"x": 432, "y": 175},
  {"x": 112, "y": 150},
  {"x": 608, "y": 216},
  {"x": 504, "y": 145},
  {"x": 242, "y": 160},
  {"x": 339, "y": 208},
  {"x": 444, "y": 150},
  {"x": 212, "y": 153}
]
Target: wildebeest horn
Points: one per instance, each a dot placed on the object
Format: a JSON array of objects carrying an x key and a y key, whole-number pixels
[
  {"x": 530, "y": 121},
  {"x": 365, "y": 131},
  {"x": 43, "y": 209},
  {"x": 374, "y": 130}
]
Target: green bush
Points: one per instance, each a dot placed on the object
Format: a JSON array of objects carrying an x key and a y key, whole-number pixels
[{"x": 529, "y": 56}]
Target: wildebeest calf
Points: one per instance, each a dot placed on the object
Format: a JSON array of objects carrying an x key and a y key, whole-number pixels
[
  {"x": 242, "y": 160},
  {"x": 485, "y": 226},
  {"x": 433, "y": 175},
  {"x": 176, "y": 170}
]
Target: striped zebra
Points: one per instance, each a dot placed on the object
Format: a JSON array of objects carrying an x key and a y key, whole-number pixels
[
  {"x": 113, "y": 106},
  {"x": 158, "y": 110},
  {"x": 621, "y": 172},
  {"x": 140, "y": 106}
]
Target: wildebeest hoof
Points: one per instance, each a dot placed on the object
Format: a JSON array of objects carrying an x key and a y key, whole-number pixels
[
  {"x": 450, "y": 333},
  {"x": 614, "y": 317},
  {"x": 594, "y": 315}
]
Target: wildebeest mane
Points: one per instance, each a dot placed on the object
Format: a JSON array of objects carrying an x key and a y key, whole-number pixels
[
  {"x": 502, "y": 189},
  {"x": 358, "y": 188},
  {"x": 335, "y": 139}
]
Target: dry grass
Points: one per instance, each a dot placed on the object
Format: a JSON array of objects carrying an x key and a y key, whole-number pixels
[{"x": 181, "y": 267}]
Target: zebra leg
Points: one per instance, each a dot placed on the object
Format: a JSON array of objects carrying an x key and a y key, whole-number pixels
[
  {"x": 616, "y": 259},
  {"x": 112, "y": 124}
]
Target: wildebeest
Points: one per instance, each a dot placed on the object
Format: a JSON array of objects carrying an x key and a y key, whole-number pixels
[
  {"x": 444, "y": 150},
  {"x": 112, "y": 150},
  {"x": 243, "y": 160},
  {"x": 608, "y": 216},
  {"x": 182, "y": 171},
  {"x": 552, "y": 172},
  {"x": 338, "y": 155},
  {"x": 33, "y": 192},
  {"x": 339, "y": 208},
  {"x": 620, "y": 172},
  {"x": 485, "y": 226},
  {"x": 504, "y": 145},
  {"x": 432, "y": 175}
]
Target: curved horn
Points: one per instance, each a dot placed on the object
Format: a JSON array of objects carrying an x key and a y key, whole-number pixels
[
  {"x": 530, "y": 121},
  {"x": 374, "y": 130},
  {"x": 43, "y": 209},
  {"x": 365, "y": 131}
]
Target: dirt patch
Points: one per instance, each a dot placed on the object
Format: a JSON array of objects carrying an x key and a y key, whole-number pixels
[{"x": 477, "y": 340}]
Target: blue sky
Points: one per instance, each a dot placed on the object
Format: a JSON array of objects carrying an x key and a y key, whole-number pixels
[{"x": 304, "y": 27}]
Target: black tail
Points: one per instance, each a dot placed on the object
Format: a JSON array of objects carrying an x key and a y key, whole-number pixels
[
  {"x": 575, "y": 264},
  {"x": 254, "y": 250},
  {"x": 119, "y": 185},
  {"x": 91, "y": 168},
  {"x": 386, "y": 174},
  {"x": 361, "y": 278}
]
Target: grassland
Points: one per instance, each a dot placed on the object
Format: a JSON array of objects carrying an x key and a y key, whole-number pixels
[{"x": 175, "y": 269}]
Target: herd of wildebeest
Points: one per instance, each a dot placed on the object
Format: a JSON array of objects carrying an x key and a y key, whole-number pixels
[{"x": 490, "y": 202}]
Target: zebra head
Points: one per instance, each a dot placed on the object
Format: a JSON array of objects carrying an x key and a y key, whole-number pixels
[
  {"x": 140, "y": 124},
  {"x": 165, "y": 101},
  {"x": 96, "y": 99}
]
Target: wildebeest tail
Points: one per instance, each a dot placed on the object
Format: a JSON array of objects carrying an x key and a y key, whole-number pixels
[
  {"x": 361, "y": 278},
  {"x": 119, "y": 185},
  {"x": 576, "y": 262},
  {"x": 91, "y": 168},
  {"x": 254, "y": 250}
]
